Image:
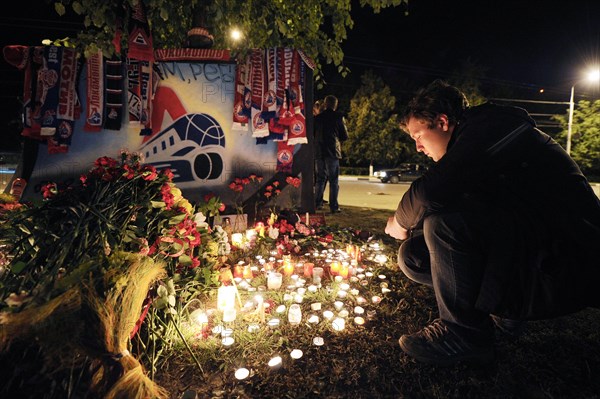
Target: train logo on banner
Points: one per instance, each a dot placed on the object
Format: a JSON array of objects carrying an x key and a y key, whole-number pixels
[{"x": 192, "y": 147}]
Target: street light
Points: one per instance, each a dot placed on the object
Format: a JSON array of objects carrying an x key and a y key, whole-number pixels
[{"x": 593, "y": 76}]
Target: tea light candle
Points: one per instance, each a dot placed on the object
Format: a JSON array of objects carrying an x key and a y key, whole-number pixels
[
  {"x": 242, "y": 373},
  {"x": 227, "y": 341},
  {"x": 199, "y": 317},
  {"x": 315, "y": 306},
  {"x": 253, "y": 328},
  {"x": 275, "y": 363},
  {"x": 318, "y": 341},
  {"x": 359, "y": 310},
  {"x": 345, "y": 286},
  {"x": 359, "y": 320},
  {"x": 280, "y": 309},
  {"x": 296, "y": 354},
  {"x": 229, "y": 315},
  {"x": 354, "y": 291},
  {"x": 382, "y": 277},
  {"x": 298, "y": 298},
  {"x": 369, "y": 274},
  {"x": 312, "y": 288},
  {"x": 343, "y": 313},
  {"x": 342, "y": 294},
  {"x": 338, "y": 324},
  {"x": 273, "y": 323},
  {"x": 375, "y": 299},
  {"x": 274, "y": 280},
  {"x": 328, "y": 314},
  {"x": 338, "y": 305},
  {"x": 361, "y": 300},
  {"x": 313, "y": 319}
]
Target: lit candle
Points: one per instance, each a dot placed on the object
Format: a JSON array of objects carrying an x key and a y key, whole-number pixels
[
  {"x": 296, "y": 354},
  {"x": 338, "y": 324},
  {"x": 274, "y": 280},
  {"x": 260, "y": 307},
  {"x": 226, "y": 297},
  {"x": 308, "y": 269},
  {"x": 229, "y": 315},
  {"x": 335, "y": 267},
  {"x": 199, "y": 317},
  {"x": 275, "y": 363},
  {"x": 295, "y": 314},
  {"x": 359, "y": 310},
  {"x": 344, "y": 270},
  {"x": 307, "y": 219},
  {"x": 242, "y": 373},
  {"x": 288, "y": 267},
  {"x": 247, "y": 273},
  {"x": 359, "y": 320}
]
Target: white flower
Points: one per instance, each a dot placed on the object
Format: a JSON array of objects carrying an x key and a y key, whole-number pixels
[
  {"x": 200, "y": 220},
  {"x": 273, "y": 232}
]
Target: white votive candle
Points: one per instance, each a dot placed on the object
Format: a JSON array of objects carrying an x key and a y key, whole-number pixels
[
  {"x": 338, "y": 324},
  {"x": 242, "y": 373},
  {"x": 296, "y": 354}
]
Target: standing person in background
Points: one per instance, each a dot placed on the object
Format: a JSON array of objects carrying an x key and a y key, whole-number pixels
[
  {"x": 504, "y": 227},
  {"x": 330, "y": 132}
]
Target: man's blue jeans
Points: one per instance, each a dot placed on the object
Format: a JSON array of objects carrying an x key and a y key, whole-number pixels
[
  {"x": 328, "y": 170},
  {"x": 449, "y": 254}
]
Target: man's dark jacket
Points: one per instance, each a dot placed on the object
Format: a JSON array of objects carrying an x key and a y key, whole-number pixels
[
  {"x": 330, "y": 131},
  {"x": 543, "y": 259}
]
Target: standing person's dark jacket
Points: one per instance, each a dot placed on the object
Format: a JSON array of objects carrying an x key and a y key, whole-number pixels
[
  {"x": 497, "y": 160},
  {"x": 330, "y": 131}
]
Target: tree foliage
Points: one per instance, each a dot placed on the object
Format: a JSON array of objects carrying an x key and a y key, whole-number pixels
[
  {"x": 585, "y": 136},
  {"x": 315, "y": 26},
  {"x": 373, "y": 128}
]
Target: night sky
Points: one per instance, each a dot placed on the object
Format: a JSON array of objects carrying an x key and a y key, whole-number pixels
[{"x": 539, "y": 44}]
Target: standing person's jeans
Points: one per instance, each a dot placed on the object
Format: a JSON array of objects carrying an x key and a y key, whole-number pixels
[{"x": 328, "y": 170}]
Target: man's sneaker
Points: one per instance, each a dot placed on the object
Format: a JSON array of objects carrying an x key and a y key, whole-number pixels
[
  {"x": 513, "y": 328},
  {"x": 436, "y": 344}
]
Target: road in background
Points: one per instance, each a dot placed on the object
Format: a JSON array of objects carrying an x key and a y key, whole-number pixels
[{"x": 369, "y": 193}]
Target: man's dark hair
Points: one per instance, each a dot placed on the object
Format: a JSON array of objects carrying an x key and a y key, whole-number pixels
[
  {"x": 437, "y": 98},
  {"x": 331, "y": 102}
]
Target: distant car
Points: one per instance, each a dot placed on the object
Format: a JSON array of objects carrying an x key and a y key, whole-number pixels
[{"x": 404, "y": 172}]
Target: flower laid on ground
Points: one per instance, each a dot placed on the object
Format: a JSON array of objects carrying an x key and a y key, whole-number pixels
[{"x": 294, "y": 183}]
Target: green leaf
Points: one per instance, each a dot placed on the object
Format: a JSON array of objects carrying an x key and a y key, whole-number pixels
[{"x": 18, "y": 267}]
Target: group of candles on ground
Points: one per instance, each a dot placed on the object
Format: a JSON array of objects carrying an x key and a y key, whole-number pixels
[{"x": 319, "y": 277}]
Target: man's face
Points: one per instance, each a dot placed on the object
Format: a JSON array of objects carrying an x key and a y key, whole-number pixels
[{"x": 431, "y": 141}]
